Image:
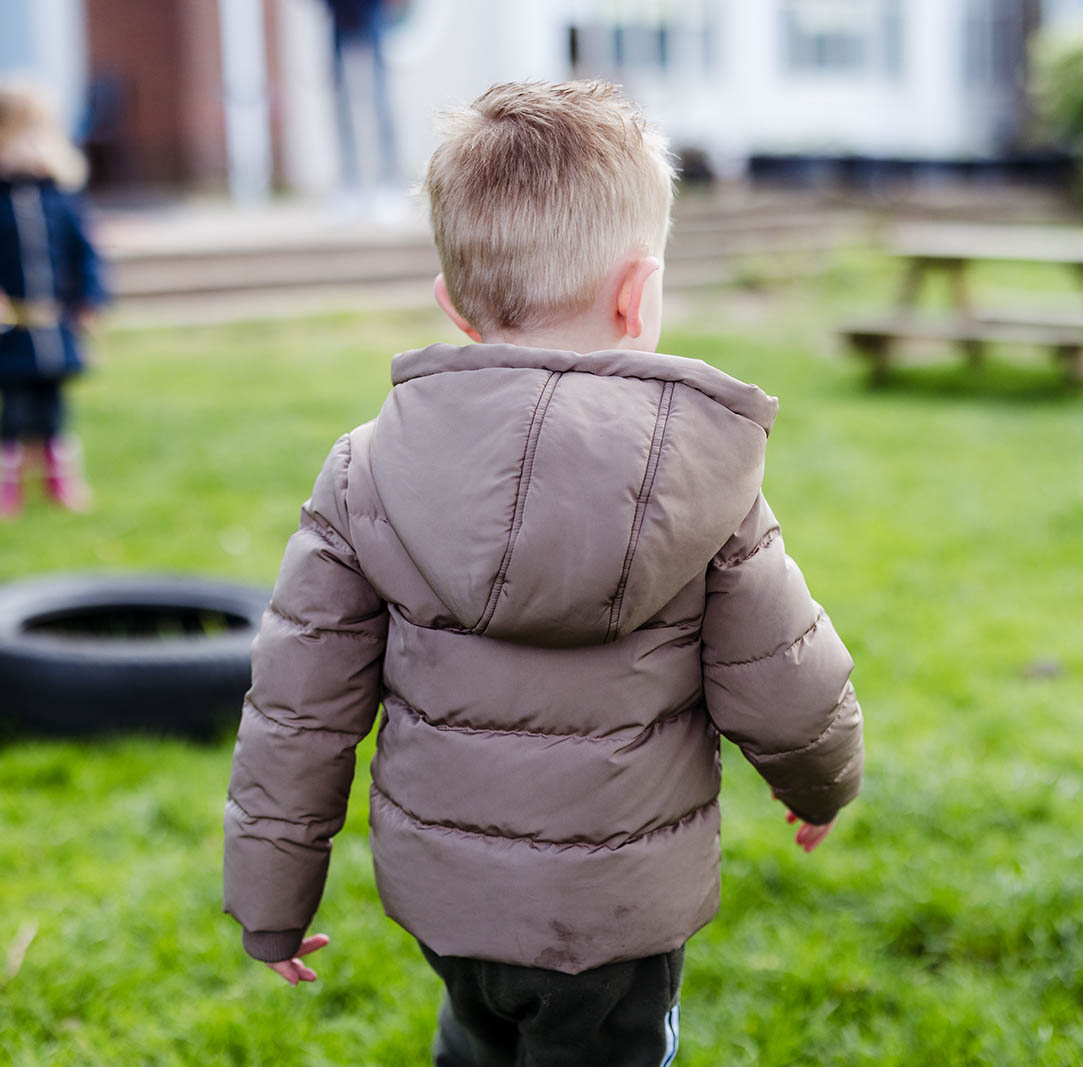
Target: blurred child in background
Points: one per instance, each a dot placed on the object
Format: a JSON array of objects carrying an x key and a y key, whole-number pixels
[{"x": 50, "y": 284}]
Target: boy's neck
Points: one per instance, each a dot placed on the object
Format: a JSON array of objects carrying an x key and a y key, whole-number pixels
[
  {"x": 625, "y": 313},
  {"x": 580, "y": 335}
]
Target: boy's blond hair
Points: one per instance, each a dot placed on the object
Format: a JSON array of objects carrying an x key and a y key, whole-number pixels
[
  {"x": 535, "y": 193},
  {"x": 32, "y": 141}
]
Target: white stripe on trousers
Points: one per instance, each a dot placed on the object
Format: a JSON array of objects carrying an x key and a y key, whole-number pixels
[
  {"x": 33, "y": 233},
  {"x": 673, "y": 1033}
]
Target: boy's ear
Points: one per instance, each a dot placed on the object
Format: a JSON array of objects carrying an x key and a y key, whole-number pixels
[
  {"x": 630, "y": 294},
  {"x": 439, "y": 290}
]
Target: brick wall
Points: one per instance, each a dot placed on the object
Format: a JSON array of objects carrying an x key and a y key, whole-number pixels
[{"x": 158, "y": 70}]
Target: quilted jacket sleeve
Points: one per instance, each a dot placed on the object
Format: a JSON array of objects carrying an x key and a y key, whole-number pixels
[
  {"x": 776, "y": 675},
  {"x": 316, "y": 687}
]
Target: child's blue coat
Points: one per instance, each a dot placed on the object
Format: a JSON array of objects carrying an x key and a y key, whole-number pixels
[{"x": 45, "y": 256}]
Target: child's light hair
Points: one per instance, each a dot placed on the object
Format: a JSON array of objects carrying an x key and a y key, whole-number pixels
[
  {"x": 536, "y": 192},
  {"x": 32, "y": 141}
]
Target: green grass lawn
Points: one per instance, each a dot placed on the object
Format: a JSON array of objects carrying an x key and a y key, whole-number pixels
[{"x": 941, "y": 522}]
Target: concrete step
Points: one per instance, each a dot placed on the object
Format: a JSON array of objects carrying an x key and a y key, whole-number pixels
[
  {"x": 136, "y": 277},
  {"x": 211, "y": 265},
  {"x": 218, "y": 270}
]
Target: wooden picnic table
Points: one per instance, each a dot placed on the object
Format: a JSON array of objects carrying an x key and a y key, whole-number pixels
[{"x": 950, "y": 248}]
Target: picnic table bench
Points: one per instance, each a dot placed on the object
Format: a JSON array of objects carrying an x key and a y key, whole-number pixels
[{"x": 950, "y": 249}]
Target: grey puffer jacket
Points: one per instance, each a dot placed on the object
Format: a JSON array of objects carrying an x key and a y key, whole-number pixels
[{"x": 559, "y": 575}]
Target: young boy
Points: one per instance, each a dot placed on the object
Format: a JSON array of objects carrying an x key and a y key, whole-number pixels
[{"x": 550, "y": 559}]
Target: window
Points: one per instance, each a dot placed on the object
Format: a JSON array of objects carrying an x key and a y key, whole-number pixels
[
  {"x": 842, "y": 36},
  {"x": 623, "y": 39}
]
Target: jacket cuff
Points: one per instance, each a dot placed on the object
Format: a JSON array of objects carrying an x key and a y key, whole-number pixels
[
  {"x": 820, "y": 810},
  {"x": 820, "y": 818},
  {"x": 271, "y": 946}
]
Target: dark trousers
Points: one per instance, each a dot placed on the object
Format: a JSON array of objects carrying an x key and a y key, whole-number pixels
[
  {"x": 31, "y": 410},
  {"x": 501, "y": 1015}
]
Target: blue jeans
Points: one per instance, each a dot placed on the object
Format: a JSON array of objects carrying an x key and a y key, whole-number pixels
[{"x": 366, "y": 127}]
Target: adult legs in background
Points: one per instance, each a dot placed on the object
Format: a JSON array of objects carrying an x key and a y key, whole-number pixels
[
  {"x": 349, "y": 159},
  {"x": 366, "y": 128},
  {"x": 500, "y": 1015}
]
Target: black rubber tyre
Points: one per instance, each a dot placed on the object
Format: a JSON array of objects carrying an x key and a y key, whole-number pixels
[{"x": 84, "y": 654}]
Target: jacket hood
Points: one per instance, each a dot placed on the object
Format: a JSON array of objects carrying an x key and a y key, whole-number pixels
[{"x": 558, "y": 499}]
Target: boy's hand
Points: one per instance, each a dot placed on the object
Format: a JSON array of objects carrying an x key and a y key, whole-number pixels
[
  {"x": 809, "y": 835},
  {"x": 293, "y": 970}
]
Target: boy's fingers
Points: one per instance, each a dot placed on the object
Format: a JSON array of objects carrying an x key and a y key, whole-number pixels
[
  {"x": 809, "y": 836},
  {"x": 293, "y": 971},
  {"x": 310, "y": 944},
  {"x": 284, "y": 968},
  {"x": 300, "y": 973}
]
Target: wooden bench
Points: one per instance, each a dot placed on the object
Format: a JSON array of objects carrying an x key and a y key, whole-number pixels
[
  {"x": 951, "y": 249},
  {"x": 874, "y": 340}
]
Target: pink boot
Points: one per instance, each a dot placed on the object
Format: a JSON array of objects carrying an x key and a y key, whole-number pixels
[
  {"x": 11, "y": 480},
  {"x": 64, "y": 480}
]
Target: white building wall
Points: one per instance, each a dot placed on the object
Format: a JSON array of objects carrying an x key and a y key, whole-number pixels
[
  {"x": 743, "y": 100},
  {"x": 450, "y": 51},
  {"x": 244, "y": 83},
  {"x": 447, "y": 51},
  {"x": 753, "y": 104},
  {"x": 44, "y": 39},
  {"x": 750, "y": 102},
  {"x": 933, "y": 120},
  {"x": 309, "y": 154},
  {"x": 1065, "y": 12}
]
